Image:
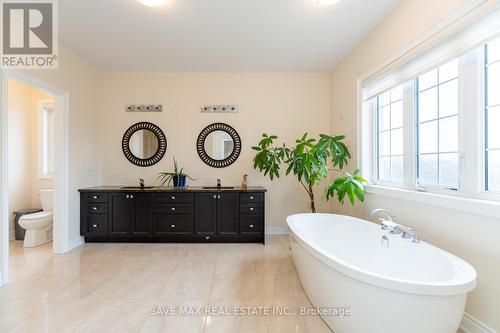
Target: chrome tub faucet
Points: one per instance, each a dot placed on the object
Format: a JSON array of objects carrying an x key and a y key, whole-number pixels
[{"x": 393, "y": 227}]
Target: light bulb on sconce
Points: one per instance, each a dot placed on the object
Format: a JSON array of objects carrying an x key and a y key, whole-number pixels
[
  {"x": 326, "y": 2},
  {"x": 153, "y": 3}
]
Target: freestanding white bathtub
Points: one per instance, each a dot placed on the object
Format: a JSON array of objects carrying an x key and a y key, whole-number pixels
[{"x": 403, "y": 288}]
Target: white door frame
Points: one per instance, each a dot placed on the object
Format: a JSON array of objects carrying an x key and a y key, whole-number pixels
[{"x": 61, "y": 166}]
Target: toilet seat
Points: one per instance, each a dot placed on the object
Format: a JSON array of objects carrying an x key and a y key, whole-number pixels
[{"x": 30, "y": 218}]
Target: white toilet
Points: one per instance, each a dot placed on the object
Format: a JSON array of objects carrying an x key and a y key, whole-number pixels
[{"x": 38, "y": 226}]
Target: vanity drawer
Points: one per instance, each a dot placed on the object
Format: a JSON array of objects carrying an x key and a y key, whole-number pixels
[
  {"x": 166, "y": 224},
  {"x": 252, "y": 197},
  {"x": 174, "y": 197},
  {"x": 251, "y": 208},
  {"x": 174, "y": 208},
  {"x": 96, "y": 197},
  {"x": 250, "y": 224},
  {"x": 97, "y": 208},
  {"x": 96, "y": 225}
]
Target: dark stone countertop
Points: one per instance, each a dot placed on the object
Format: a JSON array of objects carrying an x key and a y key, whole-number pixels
[{"x": 188, "y": 189}]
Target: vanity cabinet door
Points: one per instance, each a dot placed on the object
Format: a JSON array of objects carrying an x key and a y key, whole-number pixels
[
  {"x": 206, "y": 214},
  {"x": 121, "y": 214},
  {"x": 142, "y": 222},
  {"x": 228, "y": 214}
]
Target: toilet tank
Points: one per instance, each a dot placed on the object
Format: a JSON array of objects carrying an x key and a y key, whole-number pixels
[{"x": 46, "y": 197}]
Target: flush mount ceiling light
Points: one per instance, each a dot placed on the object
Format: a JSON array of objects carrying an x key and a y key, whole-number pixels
[
  {"x": 326, "y": 2},
  {"x": 153, "y": 3}
]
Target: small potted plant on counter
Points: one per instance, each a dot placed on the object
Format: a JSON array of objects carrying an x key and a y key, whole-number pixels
[{"x": 178, "y": 177}]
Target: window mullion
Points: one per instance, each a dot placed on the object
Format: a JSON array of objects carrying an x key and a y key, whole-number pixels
[
  {"x": 469, "y": 111},
  {"x": 409, "y": 137}
]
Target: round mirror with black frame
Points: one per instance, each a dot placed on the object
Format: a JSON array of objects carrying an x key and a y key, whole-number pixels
[
  {"x": 219, "y": 145},
  {"x": 144, "y": 144}
]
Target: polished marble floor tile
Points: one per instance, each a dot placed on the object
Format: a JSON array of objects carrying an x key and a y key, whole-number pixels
[
  {"x": 281, "y": 287},
  {"x": 102, "y": 287},
  {"x": 237, "y": 286},
  {"x": 182, "y": 317},
  {"x": 116, "y": 316},
  {"x": 238, "y": 317},
  {"x": 188, "y": 286},
  {"x": 275, "y": 265},
  {"x": 60, "y": 316}
]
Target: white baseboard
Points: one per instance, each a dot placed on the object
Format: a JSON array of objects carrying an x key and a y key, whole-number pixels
[
  {"x": 12, "y": 235},
  {"x": 75, "y": 243},
  {"x": 276, "y": 231},
  {"x": 473, "y": 325}
]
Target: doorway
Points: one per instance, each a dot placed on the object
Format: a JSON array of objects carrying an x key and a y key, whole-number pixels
[{"x": 60, "y": 163}]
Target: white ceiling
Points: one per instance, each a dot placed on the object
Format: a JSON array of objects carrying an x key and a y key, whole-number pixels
[{"x": 216, "y": 35}]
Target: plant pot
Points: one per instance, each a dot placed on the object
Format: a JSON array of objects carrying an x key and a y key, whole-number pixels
[{"x": 179, "y": 181}]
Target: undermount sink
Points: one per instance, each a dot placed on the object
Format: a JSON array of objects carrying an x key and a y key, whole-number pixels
[
  {"x": 218, "y": 188},
  {"x": 137, "y": 187}
]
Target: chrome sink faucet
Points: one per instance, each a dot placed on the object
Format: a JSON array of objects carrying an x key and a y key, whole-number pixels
[{"x": 141, "y": 183}]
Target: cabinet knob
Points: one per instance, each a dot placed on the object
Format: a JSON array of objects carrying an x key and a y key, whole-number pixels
[
  {"x": 251, "y": 225},
  {"x": 131, "y": 197},
  {"x": 251, "y": 208},
  {"x": 173, "y": 225},
  {"x": 127, "y": 196},
  {"x": 218, "y": 197},
  {"x": 173, "y": 208},
  {"x": 251, "y": 198},
  {"x": 173, "y": 198},
  {"x": 94, "y": 225},
  {"x": 95, "y": 208},
  {"x": 95, "y": 197},
  {"x": 215, "y": 197}
]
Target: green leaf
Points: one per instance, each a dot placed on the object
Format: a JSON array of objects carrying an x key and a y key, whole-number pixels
[
  {"x": 310, "y": 161},
  {"x": 360, "y": 194},
  {"x": 350, "y": 193}
]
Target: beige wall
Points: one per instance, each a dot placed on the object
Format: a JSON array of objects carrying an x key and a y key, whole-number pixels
[
  {"x": 24, "y": 134},
  {"x": 469, "y": 236},
  {"x": 81, "y": 81},
  {"x": 19, "y": 150},
  {"x": 285, "y": 104}
]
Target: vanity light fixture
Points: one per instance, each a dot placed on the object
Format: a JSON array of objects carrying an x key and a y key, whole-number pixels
[
  {"x": 219, "y": 108},
  {"x": 153, "y": 3},
  {"x": 326, "y": 2}
]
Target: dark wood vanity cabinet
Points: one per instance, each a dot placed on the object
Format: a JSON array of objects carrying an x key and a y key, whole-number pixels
[
  {"x": 173, "y": 214},
  {"x": 206, "y": 215},
  {"x": 228, "y": 215},
  {"x": 217, "y": 214},
  {"x": 131, "y": 214},
  {"x": 193, "y": 215}
]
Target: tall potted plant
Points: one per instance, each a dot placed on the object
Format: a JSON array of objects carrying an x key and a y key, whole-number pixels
[
  {"x": 178, "y": 177},
  {"x": 311, "y": 161}
]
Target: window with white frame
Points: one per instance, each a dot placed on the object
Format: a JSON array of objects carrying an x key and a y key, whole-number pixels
[
  {"x": 437, "y": 126},
  {"x": 492, "y": 116},
  {"x": 390, "y": 135},
  {"x": 46, "y": 140}
]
